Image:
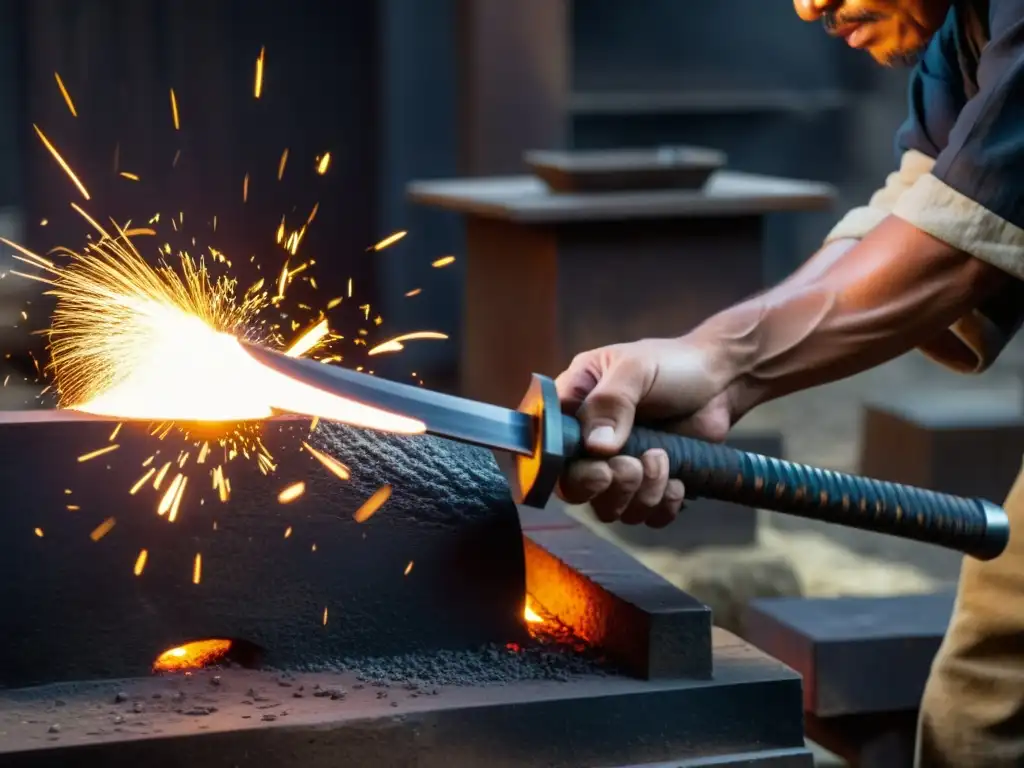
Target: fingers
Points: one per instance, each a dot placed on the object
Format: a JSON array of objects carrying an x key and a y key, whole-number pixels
[
  {"x": 623, "y": 488},
  {"x": 607, "y": 413}
]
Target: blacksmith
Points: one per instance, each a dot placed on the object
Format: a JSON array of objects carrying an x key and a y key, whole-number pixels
[{"x": 934, "y": 261}]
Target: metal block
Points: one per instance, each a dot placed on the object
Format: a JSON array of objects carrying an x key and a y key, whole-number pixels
[
  {"x": 651, "y": 628},
  {"x": 73, "y": 610},
  {"x": 956, "y": 443},
  {"x": 844, "y": 646}
]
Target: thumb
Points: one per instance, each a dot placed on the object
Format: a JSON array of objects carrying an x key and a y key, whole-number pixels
[{"x": 606, "y": 416}]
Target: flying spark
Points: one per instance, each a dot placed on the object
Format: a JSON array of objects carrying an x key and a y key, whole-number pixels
[
  {"x": 396, "y": 345},
  {"x": 388, "y": 241},
  {"x": 140, "y": 562},
  {"x": 66, "y": 95},
  {"x": 197, "y": 569},
  {"x": 323, "y": 163},
  {"x": 61, "y": 162},
  {"x": 174, "y": 114},
  {"x": 257, "y": 88},
  {"x": 99, "y": 452},
  {"x": 372, "y": 504},
  {"x": 444, "y": 261},
  {"x": 102, "y": 529},
  {"x": 291, "y": 493},
  {"x": 329, "y": 463},
  {"x": 408, "y": 569}
]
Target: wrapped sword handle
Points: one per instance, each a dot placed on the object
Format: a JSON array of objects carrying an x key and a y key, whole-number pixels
[{"x": 973, "y": 526}]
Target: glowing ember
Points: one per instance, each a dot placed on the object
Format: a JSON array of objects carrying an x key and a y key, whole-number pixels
[
  {"x": 329, "y": 463},
  {"x": 408, "y": 569},
  {"x": 174, "y": 111},
  {"x": 281, "y": 164},
  {"x": 325, "y": 616},
  {"x": 129, "y": 176},
  {"x": 194, "y": 655},
  {"x": 309, "y": 340},
  {"x": 66, "y": 95},
  {"x": 99, "y": 452},
  {"x": 257, "y": 89},
  {"x": 113, "y": 435},
  {"x": 388, "y": 241},
  {"x": 290, "y": 494},
  {"x": 396, "y": 345},
  {"x": 444, "y": 261},
  {"x": 413, "y": 292},
  {"x": 372, "y": 504},
  {"x": 140, "y": 562},
  {"x": 323, "y": 163},
  {"x": 38, "y": 532},
  {"x": 61, "y": 162},
  {"x": 102, "y": 529},
  {"x": 197, "y": 569}
]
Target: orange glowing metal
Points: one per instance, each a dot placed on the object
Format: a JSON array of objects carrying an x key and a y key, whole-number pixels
[
  {"x": 102, "y": 529},
  {"x": 66, "y": 95},
  {"x": 309, "y": 340},
  {"x": 195, "y": 655},
  {"x": 388, "y": 241},
  {"x": 530, "y": 615},
  {"x": 61, "y": 162},
  {"x": 140, "y": 563},
  {"x": 396, "y": 345},
  {"x": 291, "y": 493},
  {"x": 444, "y": 261},
  {"x": 372, "y": 504},
  {"x": 174, "y": 114},
  {"x": 329, "y": 463},
  {"x": 257, "y": 88},
  {"x": 96, "y": 453}
]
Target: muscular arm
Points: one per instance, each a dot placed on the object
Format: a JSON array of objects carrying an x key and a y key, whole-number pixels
[{"x": 853, "y": 306}]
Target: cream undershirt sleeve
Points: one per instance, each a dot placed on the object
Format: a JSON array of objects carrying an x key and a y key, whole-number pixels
[{"x": 914, "y": 195}]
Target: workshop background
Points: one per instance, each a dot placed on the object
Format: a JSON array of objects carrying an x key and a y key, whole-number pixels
[{"x": 406, "y": 90}]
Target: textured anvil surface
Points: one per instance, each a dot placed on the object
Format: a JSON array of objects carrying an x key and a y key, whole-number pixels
[{"x": 73, "y": 610}]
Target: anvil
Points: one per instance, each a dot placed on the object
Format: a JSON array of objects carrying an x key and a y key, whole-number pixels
[{"x": 542, "y": 439}]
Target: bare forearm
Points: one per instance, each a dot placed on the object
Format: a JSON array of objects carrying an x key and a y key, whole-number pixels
[{"x": 851, "y": 307}]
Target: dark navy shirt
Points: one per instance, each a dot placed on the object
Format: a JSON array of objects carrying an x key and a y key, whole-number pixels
[{"x": 967, "y": 105}]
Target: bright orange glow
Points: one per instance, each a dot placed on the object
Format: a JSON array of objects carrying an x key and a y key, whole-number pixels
[
  {"x": 135, "y": 342},
  {"x": 530, "y": 615},
  {"x": 396, "y": 344},
  {"x": 444, "y": 261},
  {"x": 408, "y": 569},
  {"x": 413, "y": 292},
  {"x": 290, "y": 494},
  {"x": 197, "y": 569},
  {"x": 194, "y": 655},
  {"x": 66, "y": 95},
  {"x": 324, "y": 163},
  {"x": 61, "y": 162},
  {"x": 245, "y": 189},
  {"x": 372, "y": 504},
  {"x": 129, "y": 176}
]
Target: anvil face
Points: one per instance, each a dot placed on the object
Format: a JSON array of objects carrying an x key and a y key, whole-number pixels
[{"x": 74, "y": 608}]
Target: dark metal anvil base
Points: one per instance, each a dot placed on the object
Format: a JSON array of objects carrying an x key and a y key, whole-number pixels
[
  {"x": 751, "y": 712},
  {"x": 73, "y": 610}
]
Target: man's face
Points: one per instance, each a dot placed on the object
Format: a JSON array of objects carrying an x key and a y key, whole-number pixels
[{"x": 892, "y": 31}]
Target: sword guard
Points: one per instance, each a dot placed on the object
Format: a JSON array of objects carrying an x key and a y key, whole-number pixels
[{"x": 535, "y": 477}]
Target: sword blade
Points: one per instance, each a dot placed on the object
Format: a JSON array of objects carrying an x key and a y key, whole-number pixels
[{"x": 456, "y": 418}]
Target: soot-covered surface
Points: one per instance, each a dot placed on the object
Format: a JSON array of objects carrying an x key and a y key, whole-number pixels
[
  {"x": 73, "y": 610},
  {"x": 238, "y": 718}
]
